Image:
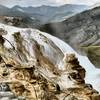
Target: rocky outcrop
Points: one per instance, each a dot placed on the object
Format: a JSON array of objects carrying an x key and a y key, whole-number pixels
[
  {"x": 20, "y": 21},
  {"x": 80, "y": 31},
  {"x": 35, "y": 68}
]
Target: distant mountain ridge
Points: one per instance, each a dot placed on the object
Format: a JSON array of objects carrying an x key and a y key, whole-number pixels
[
  {"x": 43, "y": 13},
  {"x": 51, "y": 9}
]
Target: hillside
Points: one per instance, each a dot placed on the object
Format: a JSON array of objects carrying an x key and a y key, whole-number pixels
[
  {"x": 43, "y": 14},
  {"x": 81, "y": 32}
]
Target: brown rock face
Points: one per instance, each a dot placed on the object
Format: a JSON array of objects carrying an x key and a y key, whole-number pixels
[
  {"x": 76, "y": 73},
  {"x": 75, "y": 70},
  {"x": 37, "y": 77}
]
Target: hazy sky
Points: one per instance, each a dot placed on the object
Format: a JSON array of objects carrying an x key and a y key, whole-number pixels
[{"x": 11, "y": 3}]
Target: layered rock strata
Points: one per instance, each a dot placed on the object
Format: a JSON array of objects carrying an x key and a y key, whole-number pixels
[{"x": 35, "y": 68}]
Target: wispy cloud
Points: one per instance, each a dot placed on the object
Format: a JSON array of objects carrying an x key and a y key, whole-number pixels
[{"x": 11, "y": 3}]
